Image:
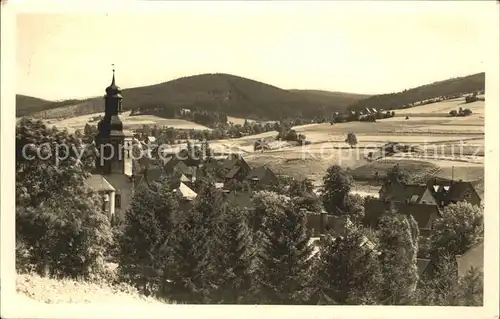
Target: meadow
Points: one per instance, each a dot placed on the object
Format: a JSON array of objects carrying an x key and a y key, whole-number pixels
[
  {"x": 129, "y": 122},
  {"x": 442, "y": 142}
]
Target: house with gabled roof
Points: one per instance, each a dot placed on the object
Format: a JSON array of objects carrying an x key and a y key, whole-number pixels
[
  {"x": 411, "y": 193},
  {"x": 450, "y": 191},
  {"x": 261, "y": 175},
  {"x": 235, "y": 167},
  {"x": 424, "y": 214},
  {"x": 322, "y": 223}
]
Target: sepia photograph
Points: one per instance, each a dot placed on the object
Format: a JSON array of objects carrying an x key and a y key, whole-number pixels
[{"x": 252, "y": 153}]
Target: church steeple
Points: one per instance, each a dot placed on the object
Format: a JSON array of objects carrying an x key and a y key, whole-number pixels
[
  {"x": 113, "y": 89},
  {"x": 110, "y": 131},
  {"x": 111, "y": 124}
]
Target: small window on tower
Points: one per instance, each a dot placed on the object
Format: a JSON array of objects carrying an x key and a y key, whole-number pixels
[{"x": 118, "y": 201}]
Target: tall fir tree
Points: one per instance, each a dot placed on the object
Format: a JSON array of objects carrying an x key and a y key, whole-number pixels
[
  {"x": 235, "y": 258},
  {"x": 284, "y": 263},
  {"x": 347, "y": 270},
  {"x": 398, "y": 245},
  {"x": 191, "y": 273},
  {"x": 147, "y": 230}
]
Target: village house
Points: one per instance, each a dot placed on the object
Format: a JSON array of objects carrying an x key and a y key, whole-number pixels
[
  {"x": 410, "y": 193},
  {"x": 447, "y": 192},
  {"x": 434, "y": 192},
  {"x": 262, "y": 176},
  {"x": 424, "y": 214},
  {"x": 236, "y": 168}
]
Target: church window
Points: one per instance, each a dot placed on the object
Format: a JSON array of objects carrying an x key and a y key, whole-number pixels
[{"x": 118, "y": 201}]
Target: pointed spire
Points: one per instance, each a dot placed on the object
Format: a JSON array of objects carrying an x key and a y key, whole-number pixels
[
  {"x": 113, "y": 88},
  {"x": 113, "y": 80}
]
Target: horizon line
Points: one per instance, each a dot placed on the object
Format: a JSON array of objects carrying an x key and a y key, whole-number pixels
[{"x": 88, "y": 97}]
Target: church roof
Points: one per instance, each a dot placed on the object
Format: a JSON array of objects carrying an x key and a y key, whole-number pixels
[{"x": 99, "y": 183}]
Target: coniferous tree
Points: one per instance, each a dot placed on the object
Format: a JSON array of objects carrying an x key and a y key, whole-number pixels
[
  {"x": 234, "y": 258},
  {"x": 398, "y": 245},
  {"x": 347, "y": 270},
  {"x": 471, "y": 288},
  {"x": 190, "y": 274},
  {"x": 147, "y": 231},
  {"x": 283, "y": 269}
]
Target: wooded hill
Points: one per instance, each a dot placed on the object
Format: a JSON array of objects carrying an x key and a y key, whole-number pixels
[
  {"x": 446, "y": 88},
  {"x": 232, "y": 95},
  {"x": 240, "y": 97}
]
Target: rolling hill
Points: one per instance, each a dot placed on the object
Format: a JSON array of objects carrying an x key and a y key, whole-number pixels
[
  {"x": 233, "y": 95},
  {"x": 450, "y": 87}
]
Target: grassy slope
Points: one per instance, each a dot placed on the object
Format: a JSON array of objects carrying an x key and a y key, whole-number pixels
[
  {"x": 454, "y": 86},
  {"x": 418, "y": 170},
  {"x": 48, "y": 290},
  {"x": 236, "y": 96}
]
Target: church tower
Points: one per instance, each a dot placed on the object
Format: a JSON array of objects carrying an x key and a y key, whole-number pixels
[{"x": 110, "y": 139}]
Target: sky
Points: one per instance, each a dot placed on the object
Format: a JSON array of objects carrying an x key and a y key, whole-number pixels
[{"x": 371, "y": 47}]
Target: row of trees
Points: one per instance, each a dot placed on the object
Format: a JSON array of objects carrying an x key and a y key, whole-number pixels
[
  {"x": 215, "y": 252},
  {"x": 461, "y": 112}
]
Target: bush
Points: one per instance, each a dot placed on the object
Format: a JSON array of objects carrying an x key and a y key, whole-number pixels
[
  {"x": 453, "y": 113},
  {"x": 65, "y": 237}
]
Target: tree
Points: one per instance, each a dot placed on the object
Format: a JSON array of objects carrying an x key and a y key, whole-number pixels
[
  {"x": 460, "y": 227},
  {"x": 351, "y": 139},
  {"x": 440, "y": 287},
  {"x": 48, "y": 163},
  {"x": 66, "y": 236},
  {"x": 235, "y": 258},
  {"x": 471, "y": 288},
  {"x": 147, "y": 232},
  {"x": 337, "y": 184},
  {"x": 453, "y": 113},
  {"x": 191, "y": 272},
  {"x": 302, "y": 194},
  {"x": 398, "y": 245},
  {"x": 467, "y": 112},
  {"x": 397, "y": 175},
  {"x": 58, "y": 218},
  {"x": 347, "y": 272},
  {"x": 355, "y": 205},
  {"x": 283, "y": 271},
  {"x": 266, "y": 204}
]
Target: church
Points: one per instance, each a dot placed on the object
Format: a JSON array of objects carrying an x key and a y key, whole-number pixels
[{"x": 114, "y": 176}]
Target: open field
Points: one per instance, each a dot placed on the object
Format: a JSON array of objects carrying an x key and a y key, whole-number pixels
[
  {"x": 129, "y": 122},
  {"x": 419, "y": 170},
  {"x": 443, "y": 107}
]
